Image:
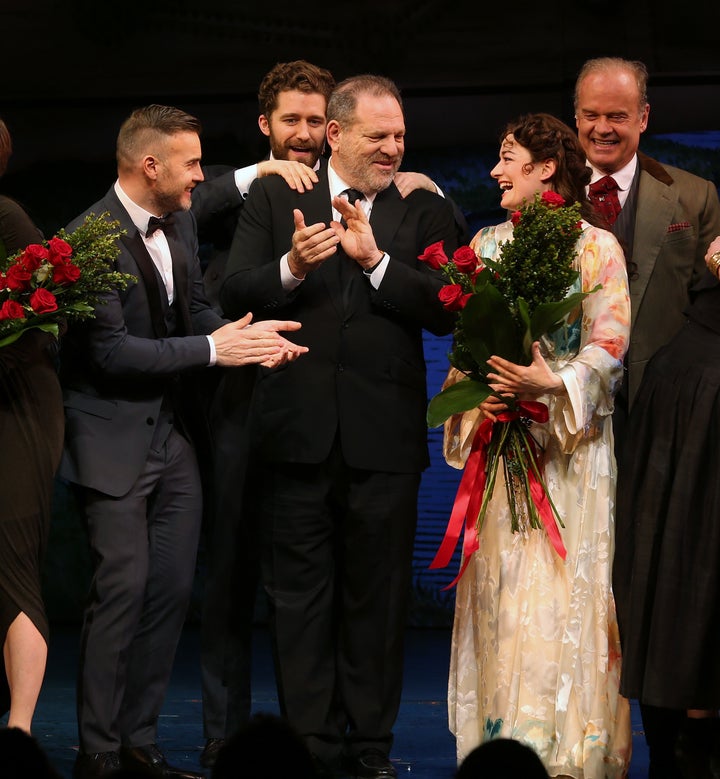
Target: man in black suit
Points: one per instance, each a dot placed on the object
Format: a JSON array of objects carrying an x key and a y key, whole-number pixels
[
  {"x": 293, "y": 101},
  {"x": 129, "y": 439},
  {"x": 343, "y": 441}
]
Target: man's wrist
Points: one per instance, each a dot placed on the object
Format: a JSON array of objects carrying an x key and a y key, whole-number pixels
[
  {"x": 368, "y": 269},
  {"x": 715, "y": 263}
]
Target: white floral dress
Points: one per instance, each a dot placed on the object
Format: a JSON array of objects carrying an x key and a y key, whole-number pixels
[{"x": 535, "y": 645}]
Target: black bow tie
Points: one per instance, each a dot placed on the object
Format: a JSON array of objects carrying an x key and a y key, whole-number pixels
[{"x": 159, "y": 223}]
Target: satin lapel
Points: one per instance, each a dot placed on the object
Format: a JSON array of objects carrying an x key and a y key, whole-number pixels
[
  {"x": 180, "y": 280},
  {"x": 656, "y": 204},
  {"x": 157, "y": 299}
]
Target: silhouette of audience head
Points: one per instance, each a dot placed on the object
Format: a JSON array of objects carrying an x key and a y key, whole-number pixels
[
  {"x": 23, "y": 757},
  {"x": 267, "y": 747},
  {"x": 502, "y": 758}
]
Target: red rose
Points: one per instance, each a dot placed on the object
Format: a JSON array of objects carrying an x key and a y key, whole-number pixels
[
  {"x": 11, "y": 309},
  {"x": 33, "y": 256},
  {"x": 515, "y": 217},
  {"x": 65, "y": 273},
  {"x": 552, "y": 199},
  {"x": 18, "y": 277},
  {"x": 59, "y": 247},
  {"x": 434, "y": 255},
  {"x": 43, "y": 301},
  {"x": 453, "y": 298},
  {"x": 465, "y": 260}
]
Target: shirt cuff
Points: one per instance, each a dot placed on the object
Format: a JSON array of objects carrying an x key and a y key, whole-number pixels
[
  {"x": 288, "y": 281},
  {"x": 213, "y": 353},
  {"x": 244, "y": 177},
  {"x": 378, "y": 272}
]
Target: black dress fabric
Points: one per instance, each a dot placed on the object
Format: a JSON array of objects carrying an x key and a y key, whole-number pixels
[
  {"x": 667, "y": 561},
  {"x": 31, "y": 436}
]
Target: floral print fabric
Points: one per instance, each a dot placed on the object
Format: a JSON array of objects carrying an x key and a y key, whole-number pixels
[{"x": 535, "y": 648}]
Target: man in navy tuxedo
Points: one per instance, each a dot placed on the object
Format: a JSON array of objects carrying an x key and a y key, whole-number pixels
[{"x": 131, "y": 423}]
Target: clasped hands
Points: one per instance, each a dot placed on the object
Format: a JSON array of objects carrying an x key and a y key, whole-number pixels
[
  {"x": 313, "y": 244},
  {"x": 524, "y": 382},
  {"x": 245, "y": 342}
]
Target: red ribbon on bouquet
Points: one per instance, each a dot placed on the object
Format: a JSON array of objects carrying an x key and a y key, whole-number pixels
[{"x": 468, "y": 499}]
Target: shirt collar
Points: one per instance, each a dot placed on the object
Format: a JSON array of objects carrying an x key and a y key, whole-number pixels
[
  {"x": 337, "y": 185},
  {"x": 623, "y": 177},
  {"x": 140, "y": 217}
]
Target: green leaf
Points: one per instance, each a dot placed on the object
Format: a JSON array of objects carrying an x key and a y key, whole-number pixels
[
  {"x": 489, "y": 326},
  {"x": 548, "y": 316},
  {"x": 47, "y": 327},
  {"x": 79, "y": 306},
  {"x": 463, "y": 396}
]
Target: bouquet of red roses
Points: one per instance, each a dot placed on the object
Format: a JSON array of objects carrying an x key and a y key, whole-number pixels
[
  {"x": 62, "y": 278},
  {"x": 503, "y": 307}
]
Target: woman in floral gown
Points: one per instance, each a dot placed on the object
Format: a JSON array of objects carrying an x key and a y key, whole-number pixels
[{"x": 535, "y": 647}]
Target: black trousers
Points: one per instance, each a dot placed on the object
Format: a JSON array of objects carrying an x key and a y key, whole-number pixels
[
  {"x": 143, "y": 547},
  {"x": 232, "y": 556},
  {"x": 337, "y": 567}
]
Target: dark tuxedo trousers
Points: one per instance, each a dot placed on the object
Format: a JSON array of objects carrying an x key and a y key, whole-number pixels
[
  {"x": 341, "y": 438},
  {"x": 144, "y": 546},
  {"x": 130, "y": 417}
]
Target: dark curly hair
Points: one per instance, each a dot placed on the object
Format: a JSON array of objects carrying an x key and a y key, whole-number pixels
[
  {"x": 298, "y": 75},
  {"x": 548, "y": 138}
]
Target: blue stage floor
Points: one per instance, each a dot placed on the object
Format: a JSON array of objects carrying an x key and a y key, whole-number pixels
[{"x": 424, "y": 749}]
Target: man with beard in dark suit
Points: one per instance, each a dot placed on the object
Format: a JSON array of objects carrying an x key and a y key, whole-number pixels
[
  {"x": 342, "y": 445},
  {"x": 292, "y": 100}
]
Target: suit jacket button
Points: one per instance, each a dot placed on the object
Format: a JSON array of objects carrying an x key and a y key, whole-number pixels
[
  {"x": 150, "y": 421},
  {"x": 340, "y": 368}
]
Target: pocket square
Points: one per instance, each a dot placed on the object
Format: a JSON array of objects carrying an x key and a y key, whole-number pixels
[{"x": 674, "y": 228}]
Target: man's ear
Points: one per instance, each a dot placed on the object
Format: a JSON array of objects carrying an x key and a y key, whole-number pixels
[
  {"x": 332, "y": 133},
  {"x": 264, "y": 125},
  {"x": 150, "y": 166}
]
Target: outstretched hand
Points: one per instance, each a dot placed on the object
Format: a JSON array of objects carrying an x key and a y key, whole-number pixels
[{"x": 243, "y": 343}]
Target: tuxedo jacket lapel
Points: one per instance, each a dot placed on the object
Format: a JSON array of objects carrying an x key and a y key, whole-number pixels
[
  {"x": 157, "y": 299},
  {"x": 180, "y": 282}
]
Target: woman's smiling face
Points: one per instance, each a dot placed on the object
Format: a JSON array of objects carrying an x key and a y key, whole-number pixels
[{"x": 518, "y": 176}]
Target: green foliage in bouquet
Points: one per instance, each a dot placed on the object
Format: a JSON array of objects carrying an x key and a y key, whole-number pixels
[
  {"x": 504, "y": 306},
  {"x": 62, "y": 279}
]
